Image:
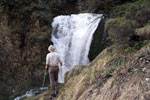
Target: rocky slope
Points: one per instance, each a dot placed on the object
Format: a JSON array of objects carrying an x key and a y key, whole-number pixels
[{"x": 115, "y": 74}]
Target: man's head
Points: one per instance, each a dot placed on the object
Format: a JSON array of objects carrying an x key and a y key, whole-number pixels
[{"x": 51, "y": 48}]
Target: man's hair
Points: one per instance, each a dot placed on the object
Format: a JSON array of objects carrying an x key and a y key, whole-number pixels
[{"x": 51, "y": 48}]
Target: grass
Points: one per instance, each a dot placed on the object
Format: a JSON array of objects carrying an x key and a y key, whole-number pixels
[
  {"x": 113, "y": 65},
  {"x": 134, "y": 46},
  {"x": 123, "y": 10}
]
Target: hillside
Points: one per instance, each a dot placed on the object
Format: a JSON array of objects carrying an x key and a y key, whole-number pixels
[{"x": 116, "y": 74}]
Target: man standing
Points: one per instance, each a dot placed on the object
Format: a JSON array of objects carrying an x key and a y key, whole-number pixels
[{"x": 52, "y": 62}]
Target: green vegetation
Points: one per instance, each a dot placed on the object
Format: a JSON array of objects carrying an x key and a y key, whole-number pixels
[
  {"x": 120, "y": 30},
  {"x": 134, "y": 46},
  {"x": 113, "y": 65},
  {"x": 129, "y": 20}
]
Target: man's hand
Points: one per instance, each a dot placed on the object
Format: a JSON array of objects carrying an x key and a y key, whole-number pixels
[
  {"x": 60, "y": 63},
  {"x": 46, "y": 67}
]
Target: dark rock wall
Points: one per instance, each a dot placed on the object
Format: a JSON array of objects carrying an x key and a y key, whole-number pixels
[{"x": 97, "y": 44}]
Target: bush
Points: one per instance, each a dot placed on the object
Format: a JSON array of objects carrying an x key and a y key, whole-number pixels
[
  {"x": 144, "y": 33},
  {"x": 120, "y": 30},
  {"x": 2, "y": 97},
  {"x": 140, "y": 13}
]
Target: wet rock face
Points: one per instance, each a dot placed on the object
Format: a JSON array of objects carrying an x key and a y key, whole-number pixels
[
  {"x": 77, "y": 6},
  {"x": 97, "y": 44},
  {"x": 58, "y": 2},
  {"x": 63, "y": 7}
]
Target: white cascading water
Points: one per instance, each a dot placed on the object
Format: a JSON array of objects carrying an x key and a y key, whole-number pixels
[{"x": 72, "y": 36}]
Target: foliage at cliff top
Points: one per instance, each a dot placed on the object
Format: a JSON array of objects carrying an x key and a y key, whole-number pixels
[{"x": 126, "y": 19}]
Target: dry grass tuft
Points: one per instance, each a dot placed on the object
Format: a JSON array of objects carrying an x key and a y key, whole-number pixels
[{"x": 144, "y": 33}]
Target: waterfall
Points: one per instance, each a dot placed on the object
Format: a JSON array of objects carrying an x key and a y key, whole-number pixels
[{"x": 72, "y": 36}]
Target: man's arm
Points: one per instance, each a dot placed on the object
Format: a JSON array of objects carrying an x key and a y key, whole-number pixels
[
  {"x": 60, "y": 63},
  {"x": 47, "y": 62}
]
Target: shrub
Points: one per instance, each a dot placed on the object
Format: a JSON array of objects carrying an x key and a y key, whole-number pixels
[
  {"x": 144, "y": 33},
  {"x": 134, "y": 46},
  {"x": 119, "y": 30},
  {"x": 140, "y": 13}
]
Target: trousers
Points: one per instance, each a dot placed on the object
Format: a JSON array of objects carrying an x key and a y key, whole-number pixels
[{"x": 53, "y": 75}]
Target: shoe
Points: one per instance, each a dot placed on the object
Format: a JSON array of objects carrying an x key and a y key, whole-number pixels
[
  {"x": 53, "y": 95},
  {"x": 50, "y": 97},
  {"x": 56, "y": 92}
]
